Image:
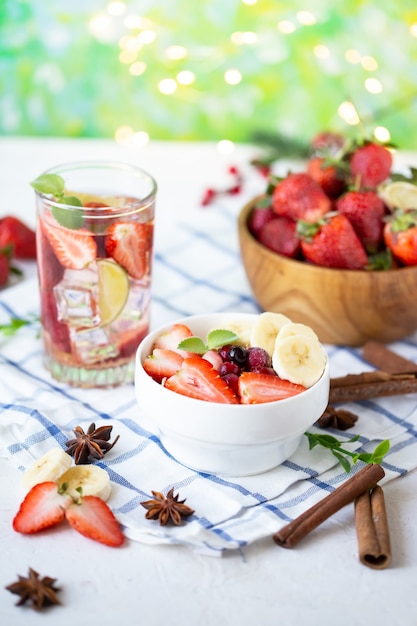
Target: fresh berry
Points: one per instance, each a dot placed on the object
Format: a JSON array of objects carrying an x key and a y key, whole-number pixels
[
  {"x": 44, "y": 506},
  {"x": 332, "y": 242},
  {"x": 92, "y": 517},
  {"x": 370, "y": 165},
  {"x": 4, "y": 268},
  {"x": 162, "y": 363},
  {"x": 298, "y": 196},
  {"x": 15, "y": 233},
  {"x": 232, "y": 380},
  {"x": 74, "y": 248},
  {"x": 330, "y": 178},
  {"x": 237, "y": 354},
  {"x": 365, "y": 211},
  {"x": 257, "y": 357},
  {"x": 400, "y": 236},
  {"x": 130, "y": 245},
  {"x": 258, "y": 218},
  {"x": 224, "y": 352},
  {"x": 280, "y": 235},
  {"x": 229, "y": 367},
  {"x": 255, "y": 388},
  {"x": 170, "y": 339},
  {"x": 197, "y": 378}
]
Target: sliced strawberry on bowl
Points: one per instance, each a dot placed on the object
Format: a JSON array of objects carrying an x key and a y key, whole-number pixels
[
  {"x": 198, "y": 379},
  {"x": 44, "y": 506},
  {"x": 74, "y": 249},
  {"x": 162, "y": 363},
  {"x": 15, "y": 233},
  {"x": 171, "y": 338},
  {"x": 256, "y": 388},
  {"x": 93, "y": 518},
  {"x": 130, "y": 245}
]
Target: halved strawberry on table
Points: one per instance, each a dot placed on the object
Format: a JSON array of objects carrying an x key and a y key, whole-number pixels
[
  {"x": 44, "y": 506},
  {"x": 91, "y": 517},
  {"x": 162, "y": 363},
  {"x": 198, "y": 379},
  {"x": 256, "y": 388},
  {"x": 74, "y": 249},
  {"x": 130, "y": 245}
]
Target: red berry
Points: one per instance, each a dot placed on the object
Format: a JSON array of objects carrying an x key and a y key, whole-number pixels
[
  {"x": 4, "y": 269},
  {"x": 329, "y": 177},
  {"x": 280, "y": 235},
  {"x": 258, "y": 218},
  {"x": 298, "y": 196},
  {"x": 22, "y": 238},
  {"x": 365, "y": 211},
  {"x": 370, "y": 165}
]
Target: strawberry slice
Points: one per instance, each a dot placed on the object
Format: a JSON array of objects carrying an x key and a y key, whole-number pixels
[
  {"x": 44, "y": 506},
  {"x": 91, "y": 517},
  {"x": 130, "y": 245},
  {"x": 255, "y": 388},
  {"x": 170, "y": 339},
  {"x": 197, "y": 378},
  {"x": 74, "y": 248},
  {"x": 162, "y": 363}
]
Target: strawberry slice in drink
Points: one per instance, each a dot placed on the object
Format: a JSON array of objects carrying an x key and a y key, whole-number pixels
[
  {"x": 255, "y": 388},
  {"x": 130, "y": 245},
  {"x": 197, "y": 378},
  {"x": 74, "y": 249}
]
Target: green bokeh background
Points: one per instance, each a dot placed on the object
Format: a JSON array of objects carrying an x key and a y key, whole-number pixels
[{"x": 58, "y": 79}]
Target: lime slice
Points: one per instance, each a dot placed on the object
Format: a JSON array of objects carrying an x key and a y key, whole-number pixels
[
  {"x": 400, "y": 195},
  {"x": 113, "y": 284}
]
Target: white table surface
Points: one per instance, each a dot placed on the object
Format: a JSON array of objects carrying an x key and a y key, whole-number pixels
[{"x": 319, "y": 582}]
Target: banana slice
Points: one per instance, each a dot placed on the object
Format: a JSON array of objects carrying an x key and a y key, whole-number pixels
[
  {"x": 91, "y": 479},
  {"x": 50, "y": 466},
  {"x": 266, "y": 329},
  {"x": 241, "y": 327},
  {"x": 293, "y": 328},
  {"x": 300, "y": 359}
]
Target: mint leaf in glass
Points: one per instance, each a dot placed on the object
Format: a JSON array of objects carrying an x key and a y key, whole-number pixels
[
  {"x": 49, "y": 184},
  {"x": 54, "y": 185}
]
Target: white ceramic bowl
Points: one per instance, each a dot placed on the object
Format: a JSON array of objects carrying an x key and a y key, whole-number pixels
[{"x": 226, "y": 439}]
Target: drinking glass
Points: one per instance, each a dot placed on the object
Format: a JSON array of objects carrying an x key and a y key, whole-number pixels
[{"x": 95, "y": 226}]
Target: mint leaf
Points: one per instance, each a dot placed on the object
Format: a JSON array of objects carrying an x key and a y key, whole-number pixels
[
  {"x": 333, "y": 444},
  {"x": 193, "y": 344},
  {"x": 71, "y": 201},
  {"x": 49, "y": 184},
  {"x": 70, "y": 218},
  {"x": 219, "y": 338}
]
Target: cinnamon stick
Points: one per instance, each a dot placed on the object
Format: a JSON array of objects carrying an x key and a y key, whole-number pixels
[
  {"x": 366, "y": 385},
  {"x": 372, "y": 529},
  {"x": 385, "y": 359},
  {"x": 301, "y": 526}
]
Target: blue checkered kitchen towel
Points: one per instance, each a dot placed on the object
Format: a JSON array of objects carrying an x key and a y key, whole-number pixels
[{"x": 197, "y": 269}]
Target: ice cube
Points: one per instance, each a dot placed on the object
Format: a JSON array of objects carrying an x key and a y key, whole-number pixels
[
  {"x": 92, "y": 345},
  {"x": 135, "y": 311},
  {"x": 77, "y": 297}
]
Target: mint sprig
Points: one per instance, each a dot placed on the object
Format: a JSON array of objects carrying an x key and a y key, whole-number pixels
[
  {"x": 342, "y": 455},
  {"x": 54, "y": 185},
  {"x": 215, "y": 339}
]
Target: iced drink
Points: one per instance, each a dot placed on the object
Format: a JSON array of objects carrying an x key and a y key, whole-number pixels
[{"x": 94, "y": 248}]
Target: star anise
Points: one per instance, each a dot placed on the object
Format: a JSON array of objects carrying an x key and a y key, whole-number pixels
[
  {"x": 337, "y": 418},
  {"x": 90, "y": 446},
  {"x": 39, "y": 591},
  {"x": 166, "y": 508}
]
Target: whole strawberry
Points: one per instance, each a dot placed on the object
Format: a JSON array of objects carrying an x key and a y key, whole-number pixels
[
  {"x": 366, "y": 212},
  {"x": 280, "y": 235},
  {"x": 13, "y": 232},
  {"x": 298, "y": 196},
  {"x": 370, "y": 165},
  {"x": 4, "y": 268},
  {"x": 332, "y": 242},
  {"x": 329, "y": 176},
  {"x": 400, "y": 236},
  {"x": 258, "y": 218}
]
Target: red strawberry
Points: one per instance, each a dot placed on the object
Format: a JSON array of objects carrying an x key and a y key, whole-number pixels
[
  {"x": 332, "y": 242},
  {"x": 56, "y": 333},
  {"x": 130, "y": 245},
  {"x": 162, "y": 364},
  {"x": 298, "y": 196},
  {"x": 94, "y": 519},
  {"x": 370, "y": 165},
  {"x": 197, "y": 378},
  {"x": 255, "y": 388},
  {"x": 329, "y": 177},
  {"x": 14, "y": 232},
  {"x": 258, "y": 218},
  {"x": 400, "y": 236},
  {"x": 280, "y": 235},
  {"x": 44, "y": 506},
  {"x": 50, "y": 269},
  {"x": 4, "y": 268},
  {"x": 365, "y": 211},
  {"x": 171, "y": 338},
  {"x": 74, "y": 248}
]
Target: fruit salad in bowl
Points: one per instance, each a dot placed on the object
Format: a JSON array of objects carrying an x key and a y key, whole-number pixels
[{"x": 231, "y": 393}]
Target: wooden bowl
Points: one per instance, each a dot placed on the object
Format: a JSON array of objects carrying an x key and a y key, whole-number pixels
[{"x": 344, "y": 307}]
